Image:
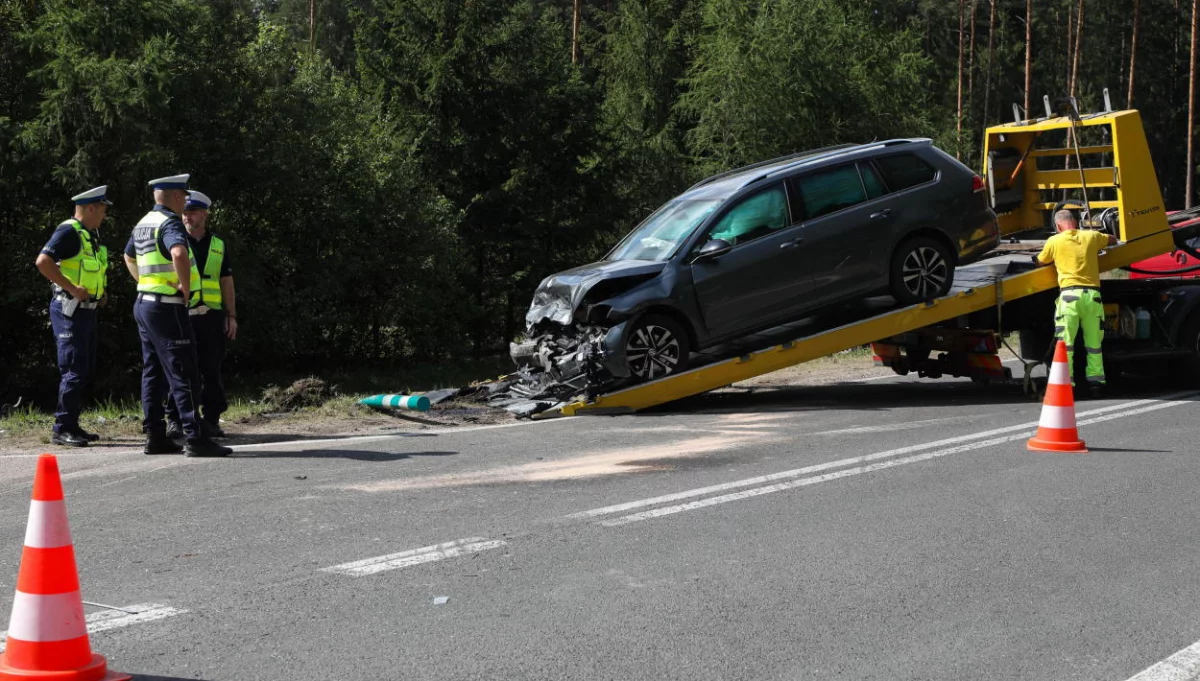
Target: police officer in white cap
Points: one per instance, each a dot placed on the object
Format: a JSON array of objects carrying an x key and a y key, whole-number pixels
[
  {"x": 159, "y": 257},
  {"x": 213, "y": 309},
  {"x": 77, "y": 266}
]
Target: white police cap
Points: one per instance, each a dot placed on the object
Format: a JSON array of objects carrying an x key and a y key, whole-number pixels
[
  {"x": 197, "y": 201},
  {"x": 170, "y": 182},
  {"x": 94, "y": 195}
]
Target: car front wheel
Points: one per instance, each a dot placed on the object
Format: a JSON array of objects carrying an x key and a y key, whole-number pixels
[
  {"x": 657, "y": 346},
  {"x": 922, "y": 269}
]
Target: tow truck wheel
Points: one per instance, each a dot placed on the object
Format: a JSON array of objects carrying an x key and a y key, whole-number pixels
[
  {"x": 657, "y": 346},
  {"x": 922, "y": 269}
]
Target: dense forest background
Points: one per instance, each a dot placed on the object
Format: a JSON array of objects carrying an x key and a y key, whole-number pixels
[{"x": 396, "y": 176}]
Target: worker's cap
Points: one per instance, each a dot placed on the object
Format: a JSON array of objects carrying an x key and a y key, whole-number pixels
[
  {"x": 197, "y": 201},
  {"x": 170, "y": 182},
  {"x": 94, "y": 195}
]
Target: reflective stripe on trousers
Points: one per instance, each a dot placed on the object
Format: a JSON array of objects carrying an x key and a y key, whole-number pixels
[{"x": 1082, "y": 310}]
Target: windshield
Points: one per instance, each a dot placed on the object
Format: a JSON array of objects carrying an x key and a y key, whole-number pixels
[{"x": 657, "y": 238}]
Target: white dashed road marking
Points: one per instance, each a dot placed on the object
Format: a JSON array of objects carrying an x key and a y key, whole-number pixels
[
  {"x": 425, "y": 554},
  {"x": 115, "y": 619}
]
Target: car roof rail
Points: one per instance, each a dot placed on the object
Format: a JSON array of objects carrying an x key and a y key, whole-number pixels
[
  {"x": 760, "y": 164},
  {"x": 858, "y": 147}
]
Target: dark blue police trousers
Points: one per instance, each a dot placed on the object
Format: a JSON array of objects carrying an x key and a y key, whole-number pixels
[
  {"x": 76, "y": 339},
  {"x": 168, "y": 362},
  {"x": 209, "y": 332}
]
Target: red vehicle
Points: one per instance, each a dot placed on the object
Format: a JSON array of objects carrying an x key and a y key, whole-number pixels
[{"x": 1171, "y": 264}]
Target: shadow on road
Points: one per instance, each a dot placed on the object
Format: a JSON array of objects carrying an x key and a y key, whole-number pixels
[
  {"x": 1126, "y": 450},
  {"x": 354, "y": 454},
  {"x": 144, "y": 677}
]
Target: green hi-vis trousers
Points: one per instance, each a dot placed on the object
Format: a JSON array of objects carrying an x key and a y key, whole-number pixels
[{"x": 1079, "y": 308}]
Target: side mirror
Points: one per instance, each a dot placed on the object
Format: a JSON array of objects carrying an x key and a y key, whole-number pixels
[{"x": 713, "y": 250}]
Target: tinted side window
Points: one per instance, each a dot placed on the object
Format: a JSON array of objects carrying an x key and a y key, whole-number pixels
[
  {"x": 754, "y": 217},
  {"x": 905, "y": 170},
  {"x": 829, "y": 191},
  {"x": 875, "y": 188}
]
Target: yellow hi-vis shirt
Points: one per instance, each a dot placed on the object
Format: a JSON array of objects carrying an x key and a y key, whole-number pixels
[{"x": 1076, "y": 255}]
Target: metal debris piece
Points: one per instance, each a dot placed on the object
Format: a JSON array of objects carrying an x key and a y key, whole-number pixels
[
  {"x": 439, "y": 396},
  {"x": 441, "y": 600}
]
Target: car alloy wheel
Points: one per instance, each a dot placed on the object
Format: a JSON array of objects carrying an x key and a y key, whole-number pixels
[
  {"x": 654, "y": 350},
  {"x": 924, "y": 272}
]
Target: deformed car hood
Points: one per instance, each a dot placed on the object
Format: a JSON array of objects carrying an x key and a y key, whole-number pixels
[{"x": 560, "y": 294}]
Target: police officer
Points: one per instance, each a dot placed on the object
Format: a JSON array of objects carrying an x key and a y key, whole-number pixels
[
  {"x": 159, "y": 256},
  {"x": 1075, "y": 253},
  {"x": 77, "y": 265},
  {"x": 213, "y": 310}
]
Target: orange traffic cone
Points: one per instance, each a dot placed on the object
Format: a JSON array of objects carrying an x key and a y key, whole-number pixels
[
  {"x": 1056, "y": 429},
  {"x": 47, "y": 635}
]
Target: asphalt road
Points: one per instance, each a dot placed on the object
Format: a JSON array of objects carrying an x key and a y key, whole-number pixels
[{"x": 894, "y": 529}]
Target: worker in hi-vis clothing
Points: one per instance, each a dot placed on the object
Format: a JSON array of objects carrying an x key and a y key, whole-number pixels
[
  {"x": 77, "y": 265},
  {"x": 1075, "y": 253},
  {"x": 213, "y": 313},
  {"x": 159, "y": 257}
]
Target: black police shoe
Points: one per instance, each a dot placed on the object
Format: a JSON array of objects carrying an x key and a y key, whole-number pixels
[
  {"x": 211, "y": 430},
  {"x": 90, "y": 437},
  {"x": 1096, "y": 391},
  {"x": 174, "y": 430},
  {"x": 161, "y": 444},
  {"x": 69, "y": 439},
  {"x": 203, "y": 446}
]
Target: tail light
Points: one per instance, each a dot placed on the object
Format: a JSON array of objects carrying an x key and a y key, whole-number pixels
[{"x": 977, "y": 184}]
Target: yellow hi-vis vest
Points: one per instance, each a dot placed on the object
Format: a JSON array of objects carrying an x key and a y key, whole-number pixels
[
  {"x": 209, "y": 292},
  {"x": 88, "y": 268},
  {"x": 156, "y": 273}
]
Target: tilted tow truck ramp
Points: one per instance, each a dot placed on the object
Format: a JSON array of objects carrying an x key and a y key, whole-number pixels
[{"x": 1017, "y": 188}]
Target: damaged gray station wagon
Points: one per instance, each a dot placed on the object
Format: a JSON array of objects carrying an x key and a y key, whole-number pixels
[{"x": 757, "y": 247}]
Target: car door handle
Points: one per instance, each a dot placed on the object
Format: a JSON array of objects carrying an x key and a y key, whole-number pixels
[
  {"x": 886, "y": 212},
  {"x": 793, "y": 243}
]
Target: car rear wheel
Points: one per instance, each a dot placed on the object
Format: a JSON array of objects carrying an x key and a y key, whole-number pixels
[
  {"x": 922, "y": 269},
  {"x": 657, "y": 346}
]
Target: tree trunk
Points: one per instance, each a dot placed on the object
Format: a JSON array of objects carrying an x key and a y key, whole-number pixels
[
  {"x": 958, "y": 125},
  {"x": 1070, "y": 45},
  {"x": 1078, "y": 48},
  {"x": 1028, "y": 55},
  {"x": 1137, "y": 6},
  {"x": 1191, "y": 126},
  {"x": 312, "y": 25},
  {"x": 987, "y": 74},
  {"x": 575, "y": 21},
  {"x": 971, "y": 60}
]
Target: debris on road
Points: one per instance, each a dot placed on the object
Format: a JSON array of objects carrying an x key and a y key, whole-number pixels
[
  {"x": 438, "y": 396},
  {"x": 441, "y": 600}
]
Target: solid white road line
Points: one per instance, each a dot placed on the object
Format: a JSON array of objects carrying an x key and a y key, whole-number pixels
[
  {"x": 783, "y": 475},
  {"x": 115, "y": 619},
  {"x": 425, "y": 554},
  {"x": 1182, "y": 666},
  {"x": 1025, "y": 432}
]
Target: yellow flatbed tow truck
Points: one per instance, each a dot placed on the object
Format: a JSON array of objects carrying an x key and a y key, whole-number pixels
[{"x": 1024, "y": 161}]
